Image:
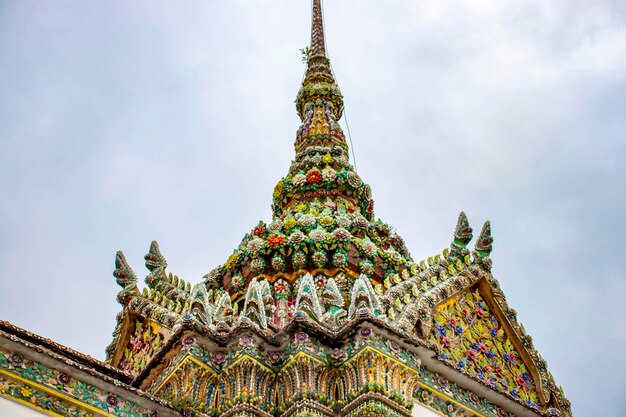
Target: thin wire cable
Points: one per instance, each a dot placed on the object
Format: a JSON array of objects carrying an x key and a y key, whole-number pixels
[
  {"x": 332, "y": 70},
  {"x": 345, "y": 117}
]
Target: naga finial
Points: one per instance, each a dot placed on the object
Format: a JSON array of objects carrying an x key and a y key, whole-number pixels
[
  {"x": 154, "y": 258},
  {"x": 123, "y": 273},
  {"x": 125, "y": 277},
  {"x": 462, "y": 236},
  {"x": 483, "y": 246}
]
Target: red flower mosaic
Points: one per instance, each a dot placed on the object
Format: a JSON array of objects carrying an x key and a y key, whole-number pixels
[
  {"x": 313, "y": 177},
  {"x": 276, "y": 240}
]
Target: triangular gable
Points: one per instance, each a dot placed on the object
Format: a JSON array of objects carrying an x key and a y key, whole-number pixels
[
  {"x": 472, "y": 339},
  {"x": 473, "y": 334}
]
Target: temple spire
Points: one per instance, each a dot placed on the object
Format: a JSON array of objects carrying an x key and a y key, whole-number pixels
[
  {"x": 319, "y": 86},
  {"x": 318, "y": 43},
  {"x": 321, "y": 178}
]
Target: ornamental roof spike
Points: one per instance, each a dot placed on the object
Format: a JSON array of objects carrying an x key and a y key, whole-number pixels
[
  {"x": 123, "y": 273},
  {"x": 462, "y": 235},
  {"x": 483, "y": 247},
  {"x": 154, "y": 258},
  {"x": 485, "y": 240},
  {"x": 126, "y": 278}
]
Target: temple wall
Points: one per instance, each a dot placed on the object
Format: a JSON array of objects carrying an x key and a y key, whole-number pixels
[
  {"x": 421, "y": 411},
  {"x": 10, "y": 408}
]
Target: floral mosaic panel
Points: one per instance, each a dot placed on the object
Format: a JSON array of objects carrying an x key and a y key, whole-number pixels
[
  {"x": 145, "y": 341},
  {"x": 23, "y": 392},
  {"x": 471, "y": 339},
  {"x": 85, "y": 397}
]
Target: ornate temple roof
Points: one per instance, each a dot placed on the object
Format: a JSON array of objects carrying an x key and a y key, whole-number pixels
[{"x": 325, "y": 280}]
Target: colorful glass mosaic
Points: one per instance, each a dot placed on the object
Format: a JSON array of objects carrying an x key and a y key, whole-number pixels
[
  {"x": 57, "y": 392},
  {"x": 470, "y": 338},
  {"x": 144, "y": 342}
]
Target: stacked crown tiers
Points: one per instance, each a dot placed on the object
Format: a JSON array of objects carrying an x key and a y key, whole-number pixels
[{"x": 323, "y": 213}]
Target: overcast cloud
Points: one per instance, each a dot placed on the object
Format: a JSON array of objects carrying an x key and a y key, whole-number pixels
[{"x": 123, "y": 122}]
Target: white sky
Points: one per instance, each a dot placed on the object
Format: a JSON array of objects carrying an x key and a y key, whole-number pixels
[{"x": 123, "y": 122}]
